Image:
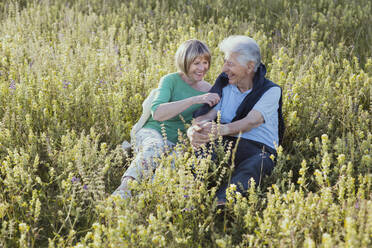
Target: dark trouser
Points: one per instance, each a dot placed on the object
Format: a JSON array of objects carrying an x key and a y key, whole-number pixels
[{"x": 252, "y": 160}]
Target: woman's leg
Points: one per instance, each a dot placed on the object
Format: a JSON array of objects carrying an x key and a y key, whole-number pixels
[{"x": 149, "y": 144}]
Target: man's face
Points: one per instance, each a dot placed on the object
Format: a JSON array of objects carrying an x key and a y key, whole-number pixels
[{"x": 234, "y": 70}]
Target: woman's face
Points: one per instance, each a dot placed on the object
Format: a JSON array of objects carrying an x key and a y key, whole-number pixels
[{"x": 198, "y": 69}]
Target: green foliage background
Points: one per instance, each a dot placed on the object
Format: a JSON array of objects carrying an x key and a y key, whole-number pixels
[{"x": 73, "y": 75}]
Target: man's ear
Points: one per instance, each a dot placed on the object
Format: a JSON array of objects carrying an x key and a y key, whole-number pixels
[{"x": 250, "y": 67}]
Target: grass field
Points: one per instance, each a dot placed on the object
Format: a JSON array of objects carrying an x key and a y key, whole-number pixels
[{"x": 73, "y": 76}]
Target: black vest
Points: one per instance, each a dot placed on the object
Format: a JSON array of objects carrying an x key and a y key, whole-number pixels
[{"x": 260, "y": 86}]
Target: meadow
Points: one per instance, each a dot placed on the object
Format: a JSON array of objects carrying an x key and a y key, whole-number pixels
[{"x": 73, "y": 76}]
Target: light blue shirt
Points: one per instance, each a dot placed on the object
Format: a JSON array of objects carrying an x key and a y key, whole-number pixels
[{"x": 268, "y": 105}]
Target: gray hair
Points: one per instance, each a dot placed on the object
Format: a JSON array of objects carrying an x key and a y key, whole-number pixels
[{"x": 246, "y": 48}]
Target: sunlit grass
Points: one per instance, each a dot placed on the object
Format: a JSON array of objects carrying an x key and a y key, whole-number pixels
[{"x": 73, "y": 76}]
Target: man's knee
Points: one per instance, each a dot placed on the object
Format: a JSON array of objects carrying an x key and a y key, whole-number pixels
[{"x": 255, "y": 167}]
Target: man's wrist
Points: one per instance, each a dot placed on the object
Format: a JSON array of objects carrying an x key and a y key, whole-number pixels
[{"x": 223, "y": 130}]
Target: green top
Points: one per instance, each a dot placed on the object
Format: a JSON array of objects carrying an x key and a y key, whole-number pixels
[{"x": 172, "y": 88}]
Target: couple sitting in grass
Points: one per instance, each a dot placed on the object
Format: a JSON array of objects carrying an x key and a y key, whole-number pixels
[{"x": 249, "y": 105}]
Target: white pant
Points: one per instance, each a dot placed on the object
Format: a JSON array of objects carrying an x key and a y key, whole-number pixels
[{"x": 148, "y": 144}]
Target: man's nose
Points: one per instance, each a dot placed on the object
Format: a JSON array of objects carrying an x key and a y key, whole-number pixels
[{"x": 224, "y": 67}]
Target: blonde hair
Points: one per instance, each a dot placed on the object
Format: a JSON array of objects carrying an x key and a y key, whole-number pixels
[{"x": 188, "y": 52}]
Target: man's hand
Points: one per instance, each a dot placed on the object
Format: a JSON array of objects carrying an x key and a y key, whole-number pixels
[
  {"x": 196, "y": 136},
  {"x": 215, "y": 130},
  {"x": 204, "y": 132}
]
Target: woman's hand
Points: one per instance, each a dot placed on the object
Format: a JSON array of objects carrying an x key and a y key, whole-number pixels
[{"x": 210, "y": 98}]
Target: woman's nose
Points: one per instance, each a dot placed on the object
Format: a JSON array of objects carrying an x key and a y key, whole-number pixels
[{"x": 203, "y": 67}]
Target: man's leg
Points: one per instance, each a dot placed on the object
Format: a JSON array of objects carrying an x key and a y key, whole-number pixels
[{"x": 254, "y": 167}]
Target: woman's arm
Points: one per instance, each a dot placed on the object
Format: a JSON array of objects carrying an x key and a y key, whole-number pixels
[{"x": 166, "y": 111}]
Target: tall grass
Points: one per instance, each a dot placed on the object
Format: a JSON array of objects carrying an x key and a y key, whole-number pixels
[{"x": 73, "y": 75}]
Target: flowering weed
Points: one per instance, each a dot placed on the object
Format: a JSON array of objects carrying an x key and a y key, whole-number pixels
[{"x": 73, "y": 76}]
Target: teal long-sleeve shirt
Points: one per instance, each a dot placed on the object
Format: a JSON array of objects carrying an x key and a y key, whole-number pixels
[{"x": 172, "y": 88}]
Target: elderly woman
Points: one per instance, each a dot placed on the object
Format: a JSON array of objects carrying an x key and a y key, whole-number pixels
[
  {"x": 178, "y": 95},
  {"x": 250, "y": 108}
]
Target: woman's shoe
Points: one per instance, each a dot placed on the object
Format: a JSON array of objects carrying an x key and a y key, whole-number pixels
[{"x": 123, "y": 190}]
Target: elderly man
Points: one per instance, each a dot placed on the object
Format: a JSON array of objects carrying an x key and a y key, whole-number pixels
[{"x": 250, "y": 108}]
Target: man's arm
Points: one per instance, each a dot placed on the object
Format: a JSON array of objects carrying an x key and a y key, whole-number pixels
[
  {"x": 203, "y": 126},
  {"x": 262, "y": 112},
  {"x": 199, "y": 132},
  {"x": 253, "y": 119}
]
